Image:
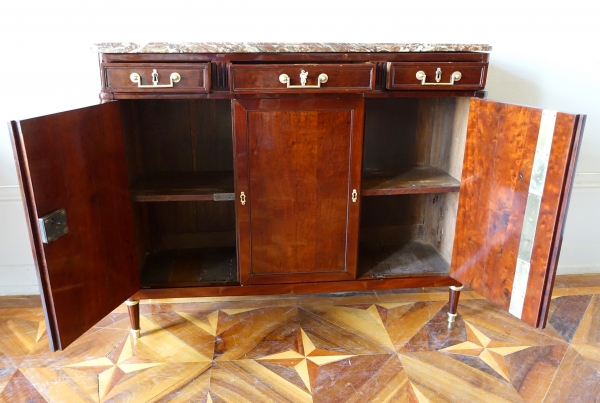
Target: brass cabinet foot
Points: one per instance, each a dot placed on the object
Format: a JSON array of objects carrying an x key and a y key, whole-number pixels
[
  {"x": 133, "y": 307},
  {"x": 454, "y": 295}
]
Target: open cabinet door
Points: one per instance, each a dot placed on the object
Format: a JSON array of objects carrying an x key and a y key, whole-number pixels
[
  {"x": 517, "y": 177},
  {"x": 76, "y": 161}
]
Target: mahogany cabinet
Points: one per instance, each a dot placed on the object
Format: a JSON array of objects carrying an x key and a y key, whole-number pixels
[{"x": 237, "y": 173}]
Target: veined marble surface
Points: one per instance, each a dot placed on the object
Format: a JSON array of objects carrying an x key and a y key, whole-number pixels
[{"x": 274, "y": 47}]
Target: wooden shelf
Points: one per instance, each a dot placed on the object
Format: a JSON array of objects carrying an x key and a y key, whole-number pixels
[
  {"x": 190, "y": 267},
  {"x": 181, "y": 186},
  {"x": 409, "y": 180},
  {"x": 412, "y": 258}
]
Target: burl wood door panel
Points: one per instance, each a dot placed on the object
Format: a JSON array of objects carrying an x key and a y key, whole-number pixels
[
  {"x": 297, "y": 163},
  {"x": 75, "y": 160},
  {"x": 517, "y": 176}
]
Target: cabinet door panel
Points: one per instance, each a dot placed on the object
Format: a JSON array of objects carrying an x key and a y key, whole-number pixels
[
  {"x": 517, "y": 176},
  {"x": 75, "y": 160},
  {"x": 302, "y": 162}
]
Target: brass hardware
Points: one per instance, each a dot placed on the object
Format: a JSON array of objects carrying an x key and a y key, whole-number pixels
[
  {"x": 243, "y": 198},
  {"x": 455, "y": 288},
  {"x": 53, "y": 226},
  {"x": 285, "y": 79},
  {"x": 132, "y": 303},
  {"x": 456, "y": 76},
  {"x": 354, "y": 195},
  {"x": 451, "y": 317},
  {"x": 135, "y": 78},
  {"x": 135, "y": 333}
]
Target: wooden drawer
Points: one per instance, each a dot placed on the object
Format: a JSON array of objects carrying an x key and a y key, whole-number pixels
[
  {"x": 193, "y": 77},
  {"x": 268, "y": 78},
  {"x": 436, "y": 76}
]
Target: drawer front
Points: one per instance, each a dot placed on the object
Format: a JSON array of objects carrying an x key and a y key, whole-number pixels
[
  {"x": 289, "y": 78},
  {"x": 436, "y": 76},
  {"x": 169, "y": 77}
]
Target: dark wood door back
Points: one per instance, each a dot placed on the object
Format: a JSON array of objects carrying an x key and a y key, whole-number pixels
[
  {"x": 75, "y": 161},
  {"x": 302, "y": 163},
  {"x": 517, "y": 175}
]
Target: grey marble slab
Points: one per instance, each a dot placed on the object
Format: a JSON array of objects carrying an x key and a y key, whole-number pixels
[{"x": 273, "y": 47}]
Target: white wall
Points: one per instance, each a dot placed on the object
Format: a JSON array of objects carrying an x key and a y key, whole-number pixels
[{"x": 546, "y": 53}]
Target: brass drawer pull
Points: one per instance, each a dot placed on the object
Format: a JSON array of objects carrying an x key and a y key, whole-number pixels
[
  {"x": 285, "y": 79},
  {"x": 135, "y": 78},
  {"x": 456, "y": 76}
]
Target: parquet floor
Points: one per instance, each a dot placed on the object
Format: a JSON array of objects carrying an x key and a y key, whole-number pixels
[{"x": 372, "y": 347}]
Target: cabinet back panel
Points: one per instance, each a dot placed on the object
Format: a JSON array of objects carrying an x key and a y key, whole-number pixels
[
  {"x": 401, "y": 132},
  {"x": 391, "y": 210},
  {"x": 390, "y": 127},
  {"x": 211, "y": 134},
  {"x": 177, "y": 135},
  {"x": 192, "y": 224}
]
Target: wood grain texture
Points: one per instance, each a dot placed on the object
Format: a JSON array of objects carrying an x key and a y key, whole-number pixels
[
  {"x": 404, "y": 259},
  {"x": 383, "y": 346},
  {"x": 264, "y": 79},
  {"x": 402, "y": 76},
  {"x": 494, "y": 190},
  {"x": 306, "y": 155},
  {"x": 359, "y": 285},
  {"x": 309, "y": 57},
  {"x": 390, "y": 134},
  {"x": 181, "y": 186},
  {"x": 190, "y": 267},
  {"x": 194, "y": 77},
  {"x": 553, "y": 210},
  {"x": 415, "y": 179},
  {"x": 440, "y": 222},
  {"x": 76, "y": 160},
  {"x": 496, "y": 174}
]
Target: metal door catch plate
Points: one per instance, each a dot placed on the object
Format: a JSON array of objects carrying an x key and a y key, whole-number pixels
[
  {"x": 224, "y": 196},
  {"x": 53, "y": 225}
]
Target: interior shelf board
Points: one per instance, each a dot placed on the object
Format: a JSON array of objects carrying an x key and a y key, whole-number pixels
[
  {"x": 408, "y": 180},
  {"x": 412, "y": 258},
  {"x": 181, "y": 186},
  {"x": 190, "y": 267}
]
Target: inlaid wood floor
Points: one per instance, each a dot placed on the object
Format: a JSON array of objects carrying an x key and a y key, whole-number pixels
[{"x": 372, "y": 347}]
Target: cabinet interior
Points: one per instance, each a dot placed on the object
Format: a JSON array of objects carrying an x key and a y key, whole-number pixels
[{"x": 180, "y": 154}]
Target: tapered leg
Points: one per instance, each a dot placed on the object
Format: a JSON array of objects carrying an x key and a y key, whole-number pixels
[
  {"x": 454, "y": 295},
  {"x": 133, "y": 306}
]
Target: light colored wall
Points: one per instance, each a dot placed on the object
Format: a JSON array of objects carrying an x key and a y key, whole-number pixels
[{"x": 546, "y": 53}]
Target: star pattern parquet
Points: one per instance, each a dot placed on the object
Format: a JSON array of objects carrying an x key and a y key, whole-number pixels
[{"x": 374, "y": 347}]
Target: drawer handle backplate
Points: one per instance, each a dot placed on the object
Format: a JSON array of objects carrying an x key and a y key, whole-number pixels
[
  {"x": 285, "y": 79},
  {"x": 456, "y": 76},
  {"x": 135, "y": 78}
]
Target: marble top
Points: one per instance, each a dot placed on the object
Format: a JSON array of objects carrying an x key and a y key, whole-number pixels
[{"x": 273, "y": 47}]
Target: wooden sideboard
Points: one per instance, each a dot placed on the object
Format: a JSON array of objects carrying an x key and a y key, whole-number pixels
[{"x": 246, "y": 173}]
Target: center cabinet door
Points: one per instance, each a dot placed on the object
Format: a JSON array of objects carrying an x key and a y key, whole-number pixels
[{"x": 298, "y": 167}]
